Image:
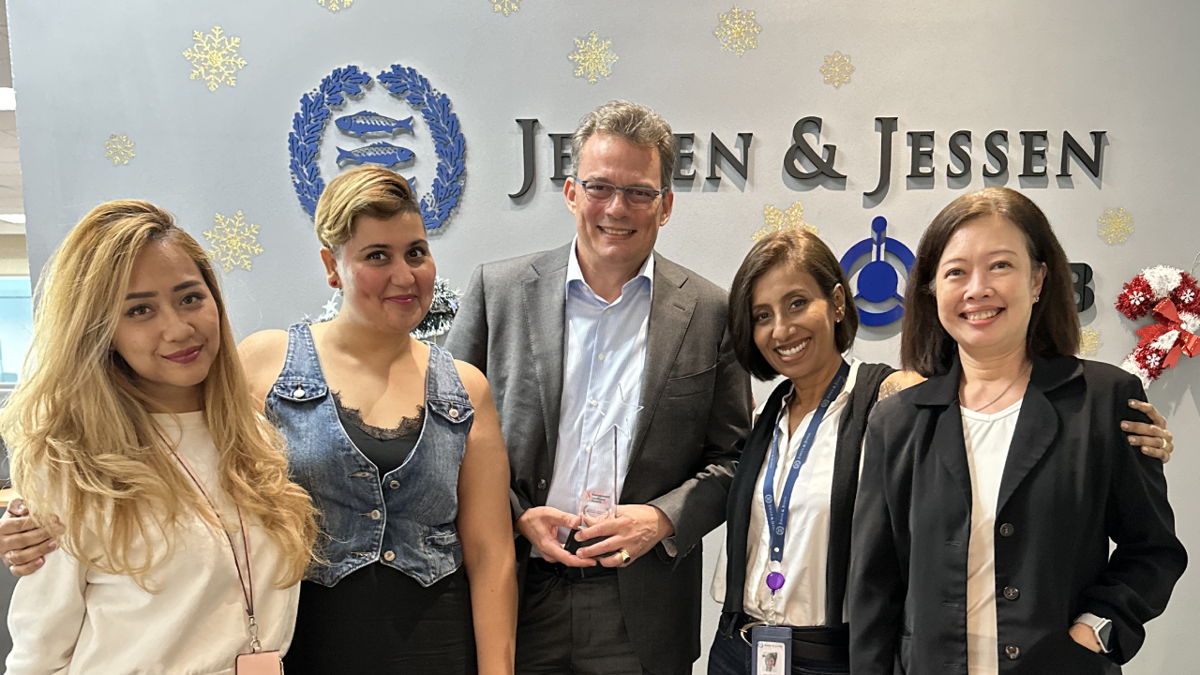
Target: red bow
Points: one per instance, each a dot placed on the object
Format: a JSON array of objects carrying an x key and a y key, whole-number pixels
[{"x": 1167, "y": 316}]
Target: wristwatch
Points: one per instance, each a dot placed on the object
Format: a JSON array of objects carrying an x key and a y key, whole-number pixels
[{"x": 1100, "y": 626}]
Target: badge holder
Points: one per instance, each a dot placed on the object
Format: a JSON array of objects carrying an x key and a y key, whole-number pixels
[{"x": 771, "y": 645}]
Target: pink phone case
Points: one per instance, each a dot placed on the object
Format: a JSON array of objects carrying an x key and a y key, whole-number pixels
[{"x": 259, "y": 663}]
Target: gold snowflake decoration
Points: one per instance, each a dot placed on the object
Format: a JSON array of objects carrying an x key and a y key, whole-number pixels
[
  {"x": 1089, "y": 342},
  {"x": 1115, "y": 226},
  {"x": 837, "y": 69},
  {"x": 335, "y": 5},
  {"x": 119, "y": 149},
  {"x": 737, "y": 30},
  {"x": 505, "y": 6},
  {"x": 214, "y": 58},
  {"x": 234, "y": 241},
  {"x": 592, "y": 57},
  {"x": 778, "y": 221}
]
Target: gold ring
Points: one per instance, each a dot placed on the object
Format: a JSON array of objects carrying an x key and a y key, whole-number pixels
[{"x": 625, "y": 557}]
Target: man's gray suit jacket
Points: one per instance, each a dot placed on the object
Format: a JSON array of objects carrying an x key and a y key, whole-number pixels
[{"x": 696, "y": 399}]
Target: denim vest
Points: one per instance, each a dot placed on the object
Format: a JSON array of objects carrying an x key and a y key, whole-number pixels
[{"x": 405, "y": 518}]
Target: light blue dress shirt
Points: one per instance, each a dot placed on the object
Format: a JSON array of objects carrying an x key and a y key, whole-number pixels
[{"x": 603, "y": 362}]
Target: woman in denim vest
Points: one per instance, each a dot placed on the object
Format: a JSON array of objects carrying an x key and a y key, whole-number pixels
[{"x": 400, "y": 447}]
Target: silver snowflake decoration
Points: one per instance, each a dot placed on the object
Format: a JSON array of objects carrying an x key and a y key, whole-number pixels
[
  {"x": 234, "y": 241},
  {"x": 1115, "y": 226},
  {"x": 1089, "y": 342},
  {"x": 505, "y": 7},
  {"x": 119, "y": 149},
  {"x": 737, "y": 30},
  {"x": 592, "y": 57},
  {"x": 214, "y": 58},
  {"x": 837, "y": 69}
]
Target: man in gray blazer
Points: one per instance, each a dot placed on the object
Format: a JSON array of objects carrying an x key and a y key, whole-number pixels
[{"x": 566, "y": 336}]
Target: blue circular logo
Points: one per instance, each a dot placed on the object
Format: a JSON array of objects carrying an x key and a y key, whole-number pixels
[
  {"x": 879, "y": 262},
  {"x": 375, "y": 134}
]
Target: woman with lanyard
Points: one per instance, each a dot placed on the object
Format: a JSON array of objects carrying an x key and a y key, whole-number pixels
[
  {"x": 184, "y": 538},
  {"x": 1004, "y": 524},
  {"x": 790, "y": 506}
]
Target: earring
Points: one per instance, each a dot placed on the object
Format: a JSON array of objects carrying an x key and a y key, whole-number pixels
[
  {"x": 1036, "y": 298},
  {"x": 334, "y": 283}
]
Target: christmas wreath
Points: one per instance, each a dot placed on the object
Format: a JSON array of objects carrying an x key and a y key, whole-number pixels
[{"x": 1172, "y": 298}]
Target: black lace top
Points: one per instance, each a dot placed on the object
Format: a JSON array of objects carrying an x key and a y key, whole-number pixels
[{"x": 386, "y": 448}]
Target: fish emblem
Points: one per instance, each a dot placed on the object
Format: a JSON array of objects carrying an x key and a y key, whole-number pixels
[
  {"x": 366, "y": 122},
  {"x": 381, "y": 153}
]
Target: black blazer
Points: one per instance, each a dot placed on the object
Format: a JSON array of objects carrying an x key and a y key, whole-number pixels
[
  {"x": 851, "y": 428},
  {"x": 1070, "y": 484}
]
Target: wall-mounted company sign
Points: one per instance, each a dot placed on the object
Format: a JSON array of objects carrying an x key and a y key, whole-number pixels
[{"x": 810, "y": 161}]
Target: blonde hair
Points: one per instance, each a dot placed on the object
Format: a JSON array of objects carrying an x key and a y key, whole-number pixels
[
  {"x": 366, "y": 190},
  {"x": 633, "y": 122},
  {"x": 84, "y": 446}
]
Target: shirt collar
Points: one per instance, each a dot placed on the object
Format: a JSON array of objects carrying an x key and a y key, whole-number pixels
[
  {"x": 851, "y": 378},
  {"x": 575, "y": 272}
]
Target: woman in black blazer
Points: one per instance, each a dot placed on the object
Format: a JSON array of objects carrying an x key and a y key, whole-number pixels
[
  {"x": 991, "y": 492},
  {"x": 790, "y": 315}
]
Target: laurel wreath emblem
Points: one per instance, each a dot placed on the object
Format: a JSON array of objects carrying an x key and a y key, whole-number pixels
[{"x": 308, "y": 126}]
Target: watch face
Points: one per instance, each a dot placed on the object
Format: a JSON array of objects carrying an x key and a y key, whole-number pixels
[{"x": 1103, "y": 633}]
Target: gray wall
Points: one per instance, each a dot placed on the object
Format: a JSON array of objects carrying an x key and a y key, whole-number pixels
[{"x": 85, "y": 70}]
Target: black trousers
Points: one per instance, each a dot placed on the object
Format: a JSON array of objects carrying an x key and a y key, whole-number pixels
[{"x": 571, "y": 624}]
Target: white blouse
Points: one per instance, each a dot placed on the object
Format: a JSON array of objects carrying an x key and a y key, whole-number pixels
[
  {"x": 67, "y": 618},
  {"x": 801, "y": 601},
  {"x": 987, "y": 438}
]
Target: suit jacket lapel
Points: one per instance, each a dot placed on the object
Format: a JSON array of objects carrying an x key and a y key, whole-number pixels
[
  {"x": 1037, "y": 425},
  {"x": 947, "y": 442},
  {"x": 545, "y": 303},
  {"x": 671, "y": 310}
]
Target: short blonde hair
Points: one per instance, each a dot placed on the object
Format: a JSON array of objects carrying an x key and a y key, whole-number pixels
[
  {"x": 366, "y": 190},
  {"x": 635, "y": 123}
]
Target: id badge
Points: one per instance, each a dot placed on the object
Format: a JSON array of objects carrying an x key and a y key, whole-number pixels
[
  {"x": 259, "y": 663},
  {"x": 772, "y": 650}
]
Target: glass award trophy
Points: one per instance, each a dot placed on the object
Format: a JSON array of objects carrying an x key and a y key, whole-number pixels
[{"x": 601, "y": 484}]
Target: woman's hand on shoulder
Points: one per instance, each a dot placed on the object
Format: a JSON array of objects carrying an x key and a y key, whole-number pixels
[
  {"x": 262, "y": 355},
  {"x": 898, "y": 381},
  {"x": 1154, "y": 439}
]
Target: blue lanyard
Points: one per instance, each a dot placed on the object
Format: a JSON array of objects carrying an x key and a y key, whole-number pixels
[{"x": 777, "y": 515}]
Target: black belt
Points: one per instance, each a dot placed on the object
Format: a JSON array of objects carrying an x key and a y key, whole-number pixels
[
  {"x": 544, "y": 568},
  {"x": 813, "y": 643}
]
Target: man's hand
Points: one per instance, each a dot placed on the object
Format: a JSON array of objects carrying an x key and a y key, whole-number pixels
[
  {"x": 635, "y": 530},
  {"x": 1153, "y": 439},
  {"x": 540, "y": 526},
  {"x": 23, "y": 545}
]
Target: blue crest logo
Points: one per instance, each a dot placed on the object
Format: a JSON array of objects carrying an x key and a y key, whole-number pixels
[
  {"x": 316, "y": 107},
  {"x": 878, "y": 262}
]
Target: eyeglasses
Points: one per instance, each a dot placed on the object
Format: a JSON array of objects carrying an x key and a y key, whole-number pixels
[{"x": 635, "y": 197}]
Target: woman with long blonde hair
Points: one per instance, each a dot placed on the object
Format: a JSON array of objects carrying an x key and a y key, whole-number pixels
[{"x": 133, "y": 426}]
